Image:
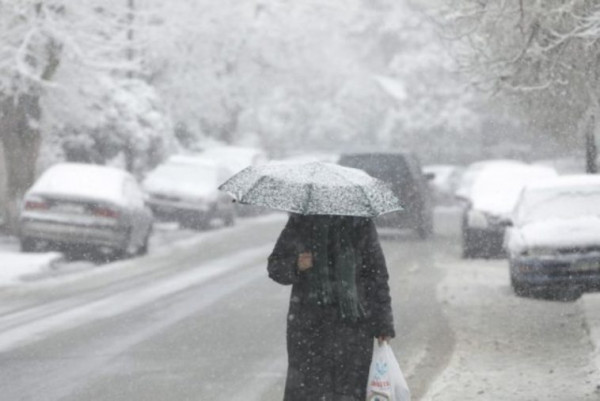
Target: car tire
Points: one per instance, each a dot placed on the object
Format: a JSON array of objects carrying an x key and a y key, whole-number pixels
[
  {"x": 194, "y": 221},
  {"x": 520, "y": 289},
  {"x": 469, "y": 250},
  {"x": 28, "y": 245},
  {"x": 125, "y": 252},
  {"x": 229, "y": 219},
  {"x": 201, "y": 223},
  {"x": 425, "y": 229},
  {"x": 143, "y": 249},
  {"x": 422, "y": 223}
]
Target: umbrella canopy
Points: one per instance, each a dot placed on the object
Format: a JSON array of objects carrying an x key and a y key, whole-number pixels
[{"x": 312, "y": 188}]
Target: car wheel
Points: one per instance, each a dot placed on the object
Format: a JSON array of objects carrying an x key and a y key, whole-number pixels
[
  {"x": 195, "y": 222},
  {"x": 469, "y": 249},
  {"x": 425, "y": 229},
  {"x": 518, "y": 287},
  {"x": 143, "y": 249},
  {"x": 201, "y": 222},
  {"x": 127, "y": 250},
  {"x": 28, "y": 245},
  {"x": 229, "y": 219}
]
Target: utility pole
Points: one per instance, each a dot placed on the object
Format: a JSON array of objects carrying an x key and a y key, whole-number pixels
[{"x": 130, "y": 55}]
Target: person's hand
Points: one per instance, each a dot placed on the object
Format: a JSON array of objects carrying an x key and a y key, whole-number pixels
[
  {"x": 382, "y": 339},
  {"x": 305, "y": 261}
]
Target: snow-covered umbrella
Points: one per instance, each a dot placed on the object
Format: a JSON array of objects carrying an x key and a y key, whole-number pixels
[{"x": 313, "y": 188}]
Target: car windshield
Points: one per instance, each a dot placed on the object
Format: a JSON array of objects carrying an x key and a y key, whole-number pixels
[{"x": 574, "y": 203}]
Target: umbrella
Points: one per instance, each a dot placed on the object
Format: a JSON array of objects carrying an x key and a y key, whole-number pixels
[{"x": 312, "y": 188}]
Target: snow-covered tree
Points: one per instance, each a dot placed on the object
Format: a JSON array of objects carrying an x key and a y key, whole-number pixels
[
  {"x": 306, "y": 73},
  {"x": 68, "y": 64},
  {"x": 436, "y": 113},
  {"x": 542, "y": 54}
]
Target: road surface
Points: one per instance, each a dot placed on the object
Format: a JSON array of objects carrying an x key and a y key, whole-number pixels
[{"x": 198, "y": 319}]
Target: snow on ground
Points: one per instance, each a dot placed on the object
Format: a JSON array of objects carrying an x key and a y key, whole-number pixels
[
  {"x": 591, "y": 308},
  {"x": 447, "y": 220},
  {"x": 127, "y": 300},
  {"x": 16, "y": 266},
  {"x": 518, "y": 340}
]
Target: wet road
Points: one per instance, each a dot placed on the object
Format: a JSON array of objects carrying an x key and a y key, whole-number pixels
[{"x": 200, "y": 320}]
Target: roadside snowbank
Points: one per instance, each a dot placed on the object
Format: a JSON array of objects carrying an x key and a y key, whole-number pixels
[{"x": 16, "y": 266}]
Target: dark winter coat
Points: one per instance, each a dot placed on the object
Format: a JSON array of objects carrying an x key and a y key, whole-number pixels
[{"x": 329, "y": 357}]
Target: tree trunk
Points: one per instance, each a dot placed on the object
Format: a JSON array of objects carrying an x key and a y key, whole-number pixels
[
  {"x": 593, "y": 114},
  {"x": 591, "y": 153},
  {"x": 21, "y": 140}
]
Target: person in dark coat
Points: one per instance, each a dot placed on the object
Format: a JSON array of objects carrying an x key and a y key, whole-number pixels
[{"x": 340, "y": 302}]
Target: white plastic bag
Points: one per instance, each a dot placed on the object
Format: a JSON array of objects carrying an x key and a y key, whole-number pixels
[{"x": 386, "y": 381}]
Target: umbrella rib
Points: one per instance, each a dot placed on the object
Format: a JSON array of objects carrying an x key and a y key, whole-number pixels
[
  {"x": 361, "y": 189},
  {"x": 253, "y": 188},
  {"x": 309, "y": 192}
]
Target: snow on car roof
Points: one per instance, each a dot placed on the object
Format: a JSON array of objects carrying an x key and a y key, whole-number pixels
[
  {"x": 472, "y": 172},
  {"x": 497, "y": 187},
  {"x": 77, "y": 180},
  {"x": 196, "y": 159},
  {"x": 236, "y": 158},
  {"x": 566, "y": 181}
]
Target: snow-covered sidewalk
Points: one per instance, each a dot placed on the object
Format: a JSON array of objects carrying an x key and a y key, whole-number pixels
[{"x": 508, "y": 347}]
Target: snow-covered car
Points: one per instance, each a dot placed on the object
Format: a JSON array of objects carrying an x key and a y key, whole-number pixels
[
  {"x": 307, "y": 157},
  {"x": 554, "y": 238},
  {"x": 185, "y": 189},
  {"x": 489, "y": 194},
  {"x": 83, "y": 205},
  {"x": 235, "y": 158}
]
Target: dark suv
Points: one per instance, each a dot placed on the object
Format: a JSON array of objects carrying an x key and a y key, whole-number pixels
[{"x": 403, "y": 172}]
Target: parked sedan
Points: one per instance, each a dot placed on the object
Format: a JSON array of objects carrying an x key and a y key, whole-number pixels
[
  {"x": 554, "y": 241},
  {"x": 489, "y": 193},
  {"x": 82, "y": 205},
  {"x": 184, "y": 189}
]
